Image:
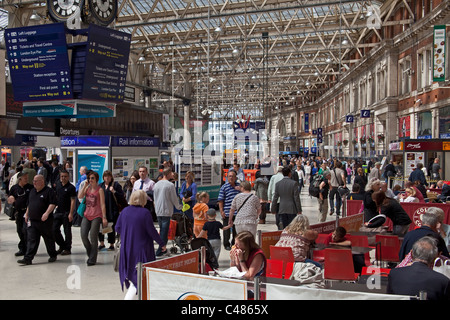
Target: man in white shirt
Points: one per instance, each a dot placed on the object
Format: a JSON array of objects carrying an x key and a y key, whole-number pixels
[
  {"x": 166, "y": 199},
  {"x": 146, "y": 184}
]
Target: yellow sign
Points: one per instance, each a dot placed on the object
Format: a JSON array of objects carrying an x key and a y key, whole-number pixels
[{"x": 445, "y": 145}]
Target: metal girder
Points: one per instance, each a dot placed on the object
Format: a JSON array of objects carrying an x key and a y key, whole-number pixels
[{"x": 242, "y": 53}]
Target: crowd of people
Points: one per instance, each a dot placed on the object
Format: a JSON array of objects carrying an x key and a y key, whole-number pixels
[{"x": 104, "y": 211}]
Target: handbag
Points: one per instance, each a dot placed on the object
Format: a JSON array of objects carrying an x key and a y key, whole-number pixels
[
  {"x": 116, "y": 260},
  {"x": 82, "y": 207},
  {"x": 9, "y": 210},
  {"x": 442, "y": 266}
]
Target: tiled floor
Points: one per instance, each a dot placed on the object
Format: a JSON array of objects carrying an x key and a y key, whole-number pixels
[{"x": 70, "y": 278}]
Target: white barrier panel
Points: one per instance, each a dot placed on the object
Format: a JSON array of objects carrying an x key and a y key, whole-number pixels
[
  {"x": 280, "y": 292},
  {"x": 173, "y": 285}
]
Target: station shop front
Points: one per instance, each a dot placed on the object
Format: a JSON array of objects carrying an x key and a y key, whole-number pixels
[{"x": 410, "y": 152}]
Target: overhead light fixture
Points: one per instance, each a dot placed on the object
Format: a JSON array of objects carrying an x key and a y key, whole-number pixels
[
  {"x": 307, "y": 83},
  {"x": 218, "y": 29},
  {"x": 328, "y": 60},
  {"x": 235, "y": 50},
  {"x": 141, "y": 58},
  {"x": 316, "y": 73},
  {"x": 34, "y": 16},
  {"x": 345, "y": 41}
]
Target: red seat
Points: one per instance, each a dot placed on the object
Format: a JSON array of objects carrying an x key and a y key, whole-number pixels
[
  {"x": 361, "y": 241},
  {"x": 319, "y": 255},
  {"x": 288, "y": 270},
  {"x": 274, "y": 268},
  {"x": 388, "y": 248},
  {"x": 321, "y": 238},
  {"x": 283, "y": 254},
  {"x": 339, "y": 265}
]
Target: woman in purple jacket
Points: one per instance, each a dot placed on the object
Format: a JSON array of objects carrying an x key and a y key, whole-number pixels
[{"x": 137, "y": 233}]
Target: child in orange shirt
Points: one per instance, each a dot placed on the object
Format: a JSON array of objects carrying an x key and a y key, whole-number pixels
[{"x": 199, "y": 212}]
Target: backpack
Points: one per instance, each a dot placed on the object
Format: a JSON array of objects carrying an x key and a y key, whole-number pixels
[{"x": 314, "y": 189}]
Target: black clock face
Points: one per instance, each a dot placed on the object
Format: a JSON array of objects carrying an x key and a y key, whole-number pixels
[
  {"x": 61, "y": 10},
  {"x": 103, "y": 11}
]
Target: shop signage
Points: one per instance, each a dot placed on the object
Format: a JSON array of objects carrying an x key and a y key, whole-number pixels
[
  {"x": 134, "y": 142},
  {"x": 349, "y": 118},
  {"x": 423, "y": 145},
  {"x": 446, "y": 146},
  {"x": 396, "y": 146}
]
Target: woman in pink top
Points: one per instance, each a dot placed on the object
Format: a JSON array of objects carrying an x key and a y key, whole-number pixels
[{"x": 94, "y": 216}]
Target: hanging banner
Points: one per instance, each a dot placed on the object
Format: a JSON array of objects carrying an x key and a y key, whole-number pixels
[
  {"x": 439, "y": 53},
  {"x": 306, "y": 122}
]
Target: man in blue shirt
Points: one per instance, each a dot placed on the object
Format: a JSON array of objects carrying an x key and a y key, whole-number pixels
[{"x": 226, "y": 195}]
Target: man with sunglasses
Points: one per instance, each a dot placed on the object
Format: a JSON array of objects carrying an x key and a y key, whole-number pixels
[{"x": 18, "y": 196}]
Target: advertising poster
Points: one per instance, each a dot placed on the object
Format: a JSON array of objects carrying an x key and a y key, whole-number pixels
[
  {"x": 123, "y": 167},
  {"x": 96, "y": 160},
  {"x": 439, "y": 53},
  {"x": 412, "y": 159},
  {"x": 404, "y": 127}
]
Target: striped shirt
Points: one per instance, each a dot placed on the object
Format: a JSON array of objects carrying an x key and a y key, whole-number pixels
[{"x": 227, "y": 194}]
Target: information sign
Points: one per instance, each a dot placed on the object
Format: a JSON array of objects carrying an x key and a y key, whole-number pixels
[
  {"x": 106, "y": 64},
  {"x": 38, "y": 62}
]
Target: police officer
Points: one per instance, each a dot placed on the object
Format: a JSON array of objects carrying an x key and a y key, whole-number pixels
[
  {"x": 63, "y": 215},
  {"x": 18, "y": 197},
  {"x": 39, "y": 220}
]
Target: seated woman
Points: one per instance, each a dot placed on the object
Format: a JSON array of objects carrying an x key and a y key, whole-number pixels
[
  {"x": 299, "y": 237},
  {"x": 247, "y": 256},
  {"x": 393, "y": 210},
  {"x": 408, "y": 196}
]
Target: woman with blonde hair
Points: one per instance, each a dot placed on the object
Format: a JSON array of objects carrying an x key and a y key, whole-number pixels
[
  {"x": 246, "y": 207},
  {"x": 137, "y": 233},
  {"x": 299, "y": 237},
  {"x": 200, "y": 209},
  {"x": 408, "y": 196}
]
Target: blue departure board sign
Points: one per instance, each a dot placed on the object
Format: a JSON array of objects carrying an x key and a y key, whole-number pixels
[
  {"x": 106, "y": 65},
  {"x": 38, "y": 62}
]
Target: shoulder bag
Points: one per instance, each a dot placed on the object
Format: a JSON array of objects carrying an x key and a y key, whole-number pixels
[
  {"x": 244, "y": 203},
  {"x": 82, "y": 207}
]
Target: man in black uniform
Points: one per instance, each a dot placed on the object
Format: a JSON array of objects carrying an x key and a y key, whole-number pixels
[
  {"x": 18, "y": 196},
  {"x": 39, "y": 220},
  {"x": 63, "y": 216}
]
